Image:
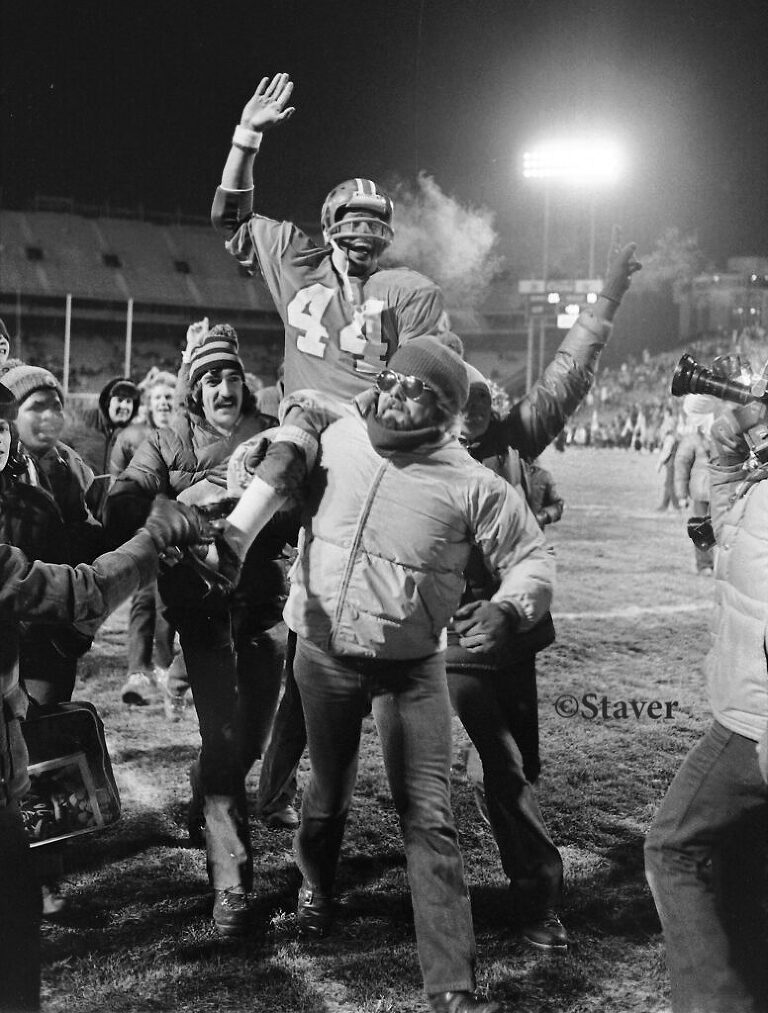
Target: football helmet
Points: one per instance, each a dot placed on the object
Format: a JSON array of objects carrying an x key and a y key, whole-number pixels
[{"x": 374, "y": 211}]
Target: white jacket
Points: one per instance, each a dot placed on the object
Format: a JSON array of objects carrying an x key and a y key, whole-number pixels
[
  {"x": 385, "y": 542},
  {"x": 736, "y": 664}
]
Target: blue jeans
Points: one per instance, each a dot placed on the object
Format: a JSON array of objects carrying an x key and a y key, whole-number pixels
[
  {"x": 488, "y": 707},
  {"x": 277, "y": 779},
  {"x": 20, "y": 911},
  {"x": 234, "y": 673},
  {"x": 150, "y": 638},
  {"x": 412, "y": 712},
  {"x": 705, "y": 860}
]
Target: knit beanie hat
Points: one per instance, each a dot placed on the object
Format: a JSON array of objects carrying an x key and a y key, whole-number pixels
[
  {"x": 4, "y": 331},
  {"x": 24, "y": 380},
  {"x": 9, "y": 406},
  {"x": 440, "y": 368},
  {"x": 219, "y": 350}
]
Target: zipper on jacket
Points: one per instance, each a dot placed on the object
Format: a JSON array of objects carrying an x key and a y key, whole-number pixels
[{"x": 364, "y": 513}]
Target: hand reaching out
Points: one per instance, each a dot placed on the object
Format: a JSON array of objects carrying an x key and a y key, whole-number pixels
[
  {"x": 267, "y": 106},
  {"x": 622, "y": 264},
  {"x": 196, "y": 333}
]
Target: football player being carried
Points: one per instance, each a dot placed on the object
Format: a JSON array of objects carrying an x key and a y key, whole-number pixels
[{"x": 343, "y": 315}]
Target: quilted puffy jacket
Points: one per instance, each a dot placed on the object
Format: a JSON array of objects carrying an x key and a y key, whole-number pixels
[
  {"x": 736, "y": 664},
  {"x": 170, "y": 460},
  {"x": 385, "y": 542}
]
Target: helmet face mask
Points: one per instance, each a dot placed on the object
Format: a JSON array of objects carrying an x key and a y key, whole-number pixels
[{"x": 357, "y": 209}]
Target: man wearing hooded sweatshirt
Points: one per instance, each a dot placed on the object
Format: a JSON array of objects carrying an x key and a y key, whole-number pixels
[{"x": 118, "y": 405}]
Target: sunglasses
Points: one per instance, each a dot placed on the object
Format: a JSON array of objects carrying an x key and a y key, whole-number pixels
[{"x": 411, "y": 386}]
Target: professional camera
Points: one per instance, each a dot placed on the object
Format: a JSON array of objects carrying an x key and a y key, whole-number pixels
[{"x": 721, "y": 382}]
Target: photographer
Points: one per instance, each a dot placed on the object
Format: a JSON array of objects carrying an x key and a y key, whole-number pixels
[{"x": 705, "y": 853}]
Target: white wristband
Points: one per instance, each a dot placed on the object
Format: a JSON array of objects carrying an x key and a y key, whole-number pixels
[{"x": 247, "y": 140}]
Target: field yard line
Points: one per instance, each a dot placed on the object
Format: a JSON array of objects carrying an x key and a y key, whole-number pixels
[{"x": 631, "y": 611}]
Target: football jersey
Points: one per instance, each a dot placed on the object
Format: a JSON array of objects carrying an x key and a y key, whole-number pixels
[{"x": 334, "y": 344}]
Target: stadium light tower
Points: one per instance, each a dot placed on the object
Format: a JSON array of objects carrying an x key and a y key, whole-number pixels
[{"x": 589, "y": 162}]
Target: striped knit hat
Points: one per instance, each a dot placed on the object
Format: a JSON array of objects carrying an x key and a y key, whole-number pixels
[
  {"x": 219, "y": 350},
  {"x": 23, "y": 380}
]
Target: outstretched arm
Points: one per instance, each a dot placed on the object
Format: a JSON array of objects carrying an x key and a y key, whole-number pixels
[
  {"x": 267, "y": 107},
  {"x": 622, "y": 264},
  {"x": 535, "y": 420}
]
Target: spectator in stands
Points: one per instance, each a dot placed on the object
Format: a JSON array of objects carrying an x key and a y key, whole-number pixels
[
  {"x": 57, "y": 529},
  {"x": 232, "y": 664},
  {"x": 31, "y": 593},
  {"x": 5, "y": 343},
  {"x": 150, "y": 637},
  {"x": 692, "y": 473},
  {"x": 705, "y": 854}
]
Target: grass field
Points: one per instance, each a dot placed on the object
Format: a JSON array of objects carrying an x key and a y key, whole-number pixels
[{"x": 631, "y": 617}]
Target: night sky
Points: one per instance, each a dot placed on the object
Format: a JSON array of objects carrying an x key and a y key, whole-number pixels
[{"x": 134, "y": 103}]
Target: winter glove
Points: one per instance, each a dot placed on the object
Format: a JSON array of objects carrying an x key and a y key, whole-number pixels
[
  {"x": 244, "y": 461},
  {"x": 622, "y": 264},
  {"x": 174, "y": 524},
  {"x": 484, "y": 626},
  {"x": 196, "y": 333}
]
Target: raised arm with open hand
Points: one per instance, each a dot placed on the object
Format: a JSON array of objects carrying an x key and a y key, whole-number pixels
[
  {"x": 268, "y": 105},
  {"x": 264, "y": 109}
]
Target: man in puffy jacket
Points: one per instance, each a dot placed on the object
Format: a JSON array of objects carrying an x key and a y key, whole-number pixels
[
  {"x": 232, "y": 664},
  {"x": 502, "y": 716},
  {"x": 49, "y": 593},
  {"x": 705, "y": 854},
  {"x": 394, "y": 505}
]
